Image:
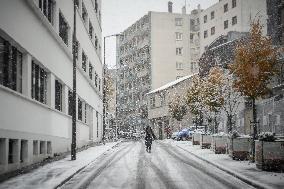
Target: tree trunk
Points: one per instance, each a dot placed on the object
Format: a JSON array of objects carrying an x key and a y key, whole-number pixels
[
  {"x": 254, "y": 135},
  {"x": 215, "y": 124},
  {"x": 229, "y": 122}
]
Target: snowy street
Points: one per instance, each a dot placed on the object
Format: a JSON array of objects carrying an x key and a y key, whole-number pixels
[{"x": 130, "y": 166}]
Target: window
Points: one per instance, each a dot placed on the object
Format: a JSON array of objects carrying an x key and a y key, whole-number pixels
[
  {"x": 91, "y": 71},
  {"x": 10, "y": 66},
  {"x": 226, "y": 7},
  {"x": 47, "y": 8},
  {"x": 35, "y": 147},
  {"x": 178, "y": 21},
  {"x": 99, "y": 84},
  {"x": 178, "y": 36},
  {"x": 179, "y": 51},
  {"x": 96, "y": 79},
  {"x": 80, "y": 104},
  {"x": 77, "y": 3},
  {"x": 85, "y": 112},
  {"x": 205, "y": 34},
  {"x": 91, "y": 30},
  {"x": 39, "y": 83},
  {"x": 152, "y": 102},
  {"x": 70, "y": 102},
  {"x": 192, "y": 66},
  {"x": 84, "y": 61},
  {"x": 226, "y": 24},
  {"x": 234, "y": 20},
  {"x": 192, "y": 22},
  {"x": 234, "y": 3},
  {"x": 58, "y": 95},
  {"x": 76, "y": 46},
  {"x": 212, "y": 15},
  {"x": 63, "y": 28},
  {"x": 42, "y": 147},
  {"x": 191, "y": 36},
  {"x": 97, "y": 118},
  {"x": 96, "y": 6},
  {"x": 213, "y": 30},
  {"x": 24, "y": 151},
  {"x": 49, "y": 147},
  {"x": 205, "y": 19},
  {"x": 197, "y": 20},
  {"x": 84, "y": 14},
  {"x": 96, "y": 42},
  {"x": 13, "y": 151},
  {"x": 179, "y": 65},
  {"x": 178, "y": 77}
]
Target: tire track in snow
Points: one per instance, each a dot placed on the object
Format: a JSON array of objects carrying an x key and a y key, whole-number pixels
[
  {"x": 90, "y": 173},
  {"x": 199, "y": 167},
  {"x": 140, "y": 175}
]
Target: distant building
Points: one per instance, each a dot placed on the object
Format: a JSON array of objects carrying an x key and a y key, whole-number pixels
[
  {"x": 36, "y": 79},
  {"x": 275, "y": 24},
  {"x": 270, "y": 110},
  {"x": 111, "y": 128},
  {"x": 229, "y": 15},
  {"x": 155, "y": 50},
  {"x": 195, "y": 39},
  {"x": 159, "y": 115}
]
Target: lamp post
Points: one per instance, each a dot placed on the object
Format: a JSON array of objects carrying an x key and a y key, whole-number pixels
[
  {"x": 104, "y": 83},
  {"x": 73, "y": 144}
]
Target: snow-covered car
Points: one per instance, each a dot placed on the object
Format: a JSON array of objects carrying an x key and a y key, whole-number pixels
[
  {"x": 174, "y": 135},
  {"x": 184, "y": 134}
]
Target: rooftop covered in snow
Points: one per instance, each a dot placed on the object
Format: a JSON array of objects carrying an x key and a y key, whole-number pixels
[{"x": 170, "y": 84}]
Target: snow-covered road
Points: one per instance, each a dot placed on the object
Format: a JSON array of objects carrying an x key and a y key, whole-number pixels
[{"x": 130, "y": 166}]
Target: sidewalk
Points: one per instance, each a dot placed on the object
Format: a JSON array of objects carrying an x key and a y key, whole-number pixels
[
  {"x": 243, "y": 170},
  {"x": 53, "y": 174}
]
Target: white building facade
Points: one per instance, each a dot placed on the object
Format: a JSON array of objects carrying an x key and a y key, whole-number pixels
[
  {"x": 230, "y": 15},
  {"x": 36, "y": 78}
]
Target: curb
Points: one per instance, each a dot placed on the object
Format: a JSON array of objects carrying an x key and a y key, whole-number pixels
[
  {"x": 79, "y": 170},
  {"x": 242, "y": 178}
]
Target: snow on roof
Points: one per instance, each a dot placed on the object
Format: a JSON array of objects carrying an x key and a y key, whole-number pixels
[{"x": 170, "y": 84}]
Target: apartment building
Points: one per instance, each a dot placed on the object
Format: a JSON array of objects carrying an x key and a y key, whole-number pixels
[
  {"x": 275, "y": 28},
  {"x": 150, "y": 53},
  {"x": 195, "y": 39},
  {"x": 230, "y": 15},
  {"x": 36, "y": 78}
]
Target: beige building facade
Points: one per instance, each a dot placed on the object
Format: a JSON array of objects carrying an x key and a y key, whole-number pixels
[
  {"x": 159, "y": 115},
  {"x": 154, "y": 51}
]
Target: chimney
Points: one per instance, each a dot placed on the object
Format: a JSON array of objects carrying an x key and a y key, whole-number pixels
[
  {"x": 170, "y": 7},
  {"x": 183, "y": 10}
]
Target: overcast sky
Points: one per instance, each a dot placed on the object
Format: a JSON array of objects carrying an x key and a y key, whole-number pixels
[{"x": 117, "y": 15}]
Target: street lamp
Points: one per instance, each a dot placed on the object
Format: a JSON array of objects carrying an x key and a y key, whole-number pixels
[
  {"x": 73, "y": 143},
  {"x": 104, "y": 83}
]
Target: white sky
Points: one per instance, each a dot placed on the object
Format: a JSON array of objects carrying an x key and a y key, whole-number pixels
[{"x": 117, "y": 15}]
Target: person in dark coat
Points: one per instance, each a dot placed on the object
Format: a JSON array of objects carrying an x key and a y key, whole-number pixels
[{"x": 149, "y": 138}]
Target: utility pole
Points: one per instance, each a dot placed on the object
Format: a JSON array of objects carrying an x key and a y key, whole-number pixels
[
  {"x": 104, "y": 90},
  {"x": 74, "y": 119}
]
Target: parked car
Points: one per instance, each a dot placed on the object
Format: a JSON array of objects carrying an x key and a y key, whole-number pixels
[
  {"x": 174, "y": 135},
  {"x": 184, "y": 134}
]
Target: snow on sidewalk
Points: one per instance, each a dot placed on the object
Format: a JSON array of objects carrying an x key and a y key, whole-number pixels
[
  {"x": 244, "y": 169},
  {"x": 51, "y": 175}
]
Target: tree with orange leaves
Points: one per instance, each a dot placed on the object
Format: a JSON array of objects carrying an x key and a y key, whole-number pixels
[
  {"x": 254, "y": 66},
  {"x": 212, "y": 95}
]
